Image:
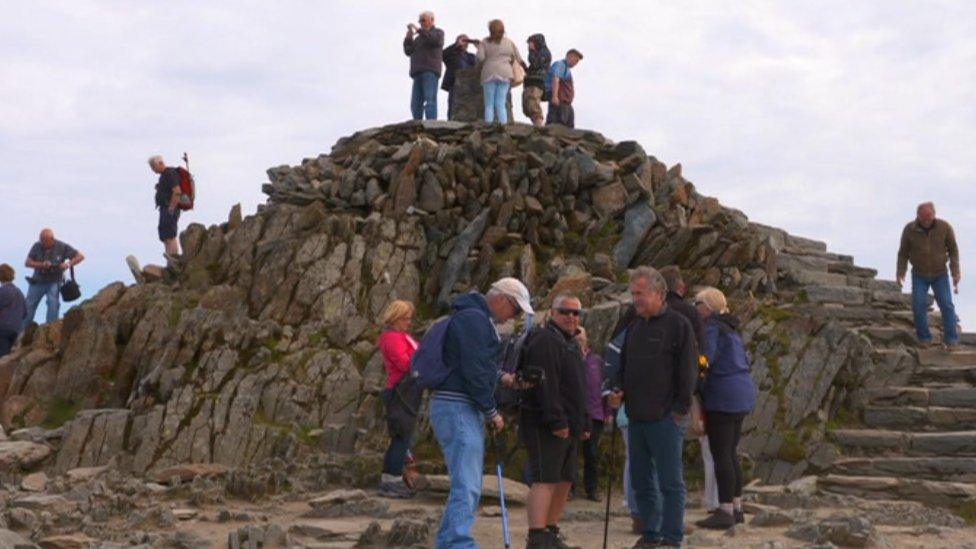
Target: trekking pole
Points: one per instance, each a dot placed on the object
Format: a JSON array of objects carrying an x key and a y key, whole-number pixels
[
  {"x": 499, "y": 457},
  {"x": 613, "y": 446},
  {"x": 186, "y": 161}
]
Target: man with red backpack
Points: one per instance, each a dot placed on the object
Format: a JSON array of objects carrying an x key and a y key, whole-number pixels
[{"x": 173, "y": 194}]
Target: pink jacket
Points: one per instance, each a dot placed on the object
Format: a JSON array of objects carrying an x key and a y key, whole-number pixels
[{"x": 397, "y": 348}]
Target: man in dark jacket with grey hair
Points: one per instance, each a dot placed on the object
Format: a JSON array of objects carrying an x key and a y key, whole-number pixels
[{"x": 423, "y": 46}]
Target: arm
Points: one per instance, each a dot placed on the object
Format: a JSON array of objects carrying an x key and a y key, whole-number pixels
[
  {"x": 555, "y": 91},
  {"x": 477, "y": 346},
  {"x": 953, "y": 250},
  {"x": 686, "y": 368},
  {"x": 546, "y": 354},
  {"x": 408, "y": 43},
  {"x": 480, "y": 55},
  {"x": 397, "y": 352},
  {"x": 710, "y": 344},
  {"x": 33, "y": 259},
  {"x": 431, "y": 37},
  {"x": 174, "y": 198},
  {"x": 903, "y": 249},
  {"x": 76, "y": 259}
]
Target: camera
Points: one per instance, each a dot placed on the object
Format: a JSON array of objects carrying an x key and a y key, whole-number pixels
[{"x": 530, "y": 375}]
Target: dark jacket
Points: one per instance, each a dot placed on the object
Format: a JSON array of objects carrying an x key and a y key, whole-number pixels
[
  {"x": 471, "y": 351},
  {"x": 928, "y": 249},
  {"x": 13, "y": 307},
  {"x": 560, "y": 401},
  {"x": 424, "y": 50},
  {"x": 539, "y": 61},
  {"x": 728, "y": 386},
  {"x": 687, "y": 310},
  {"x": 658, "y": 366},
  {"x": 455, "y": 59},
  {"x": 169, "y": 179}
]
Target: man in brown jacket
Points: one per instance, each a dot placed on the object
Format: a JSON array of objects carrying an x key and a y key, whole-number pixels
[{"x": 928, "y": 243}]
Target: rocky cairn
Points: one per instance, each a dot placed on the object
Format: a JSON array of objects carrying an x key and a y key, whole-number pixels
[{"x": 261, "y": 347}]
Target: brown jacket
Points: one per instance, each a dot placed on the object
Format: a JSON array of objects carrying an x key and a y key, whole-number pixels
[{"x": 928, "y": 250}]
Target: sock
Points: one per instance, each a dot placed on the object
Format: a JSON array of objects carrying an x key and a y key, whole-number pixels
[
  {"x": 726, "y": 507},
  {"x": 737, "y": 504}
]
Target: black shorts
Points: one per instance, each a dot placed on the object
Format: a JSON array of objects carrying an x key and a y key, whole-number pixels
[
  {"x": 167, "y": 224},
  {"x": 551, "y": 459}
]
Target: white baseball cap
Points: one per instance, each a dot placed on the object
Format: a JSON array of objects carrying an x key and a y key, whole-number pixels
[{"x": 513, "y": 288}]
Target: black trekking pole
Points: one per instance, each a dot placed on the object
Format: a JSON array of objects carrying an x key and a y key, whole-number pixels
[
  {"x": 499, "y": 458},
  {"x": 186, "y": 161},
  {"x": 613, "y": 446}
]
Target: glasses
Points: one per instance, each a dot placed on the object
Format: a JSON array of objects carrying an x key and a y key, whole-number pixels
[{"x": 570, "y": 312}]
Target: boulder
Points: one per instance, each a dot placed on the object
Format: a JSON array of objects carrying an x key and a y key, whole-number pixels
[
  {"x": 515, "y": 492},
  {"x": 18, "y": 454}
]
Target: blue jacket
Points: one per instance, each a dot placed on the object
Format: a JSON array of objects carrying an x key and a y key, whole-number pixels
[
  {"x": 728, "y": 386},
  {"x": 471, "y": 349}
]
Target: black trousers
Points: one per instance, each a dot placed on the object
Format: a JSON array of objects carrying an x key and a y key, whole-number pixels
[
  {"x": 724, "y": 431},
  {"x": 591, "y": 458},
  {"x": 7, "y": 340}
]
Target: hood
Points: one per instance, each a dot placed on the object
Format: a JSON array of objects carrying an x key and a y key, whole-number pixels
[
  {"x": 539, "y": 40},
  {"x": 471, "y": 300},
  {"x": 728, "y": 319}
]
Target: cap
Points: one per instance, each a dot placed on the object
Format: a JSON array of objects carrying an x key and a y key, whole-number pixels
[
  {"x": 513, "y": 288},
  {"x": 576, "y": 51}
]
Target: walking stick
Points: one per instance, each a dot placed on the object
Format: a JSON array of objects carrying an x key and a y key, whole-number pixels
[
  {"x": 606, "y": 517},
  {"x": 499, "y": 457}
]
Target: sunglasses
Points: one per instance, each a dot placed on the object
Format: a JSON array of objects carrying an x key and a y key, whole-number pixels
[{"x": 572, "y": 312}]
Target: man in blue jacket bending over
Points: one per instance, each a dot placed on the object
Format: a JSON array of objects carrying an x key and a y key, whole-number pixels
[{"x": 461, "y": 404}]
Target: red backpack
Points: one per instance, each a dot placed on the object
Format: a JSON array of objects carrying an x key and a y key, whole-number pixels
[{"x": 188, "y": 189}]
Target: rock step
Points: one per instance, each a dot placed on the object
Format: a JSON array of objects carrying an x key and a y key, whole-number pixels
[
  {"x": 888, "y": 335},
  {"x": 950, "y": 397},
  {"x": 919, "y": 418},
  {"x": 952, "y": 469},
  {"x": 944, "y": 374},
  {"x": 875, "y": 442},
  {"x": 936, "y": 356},
  {"x": 942, "y": 494}
]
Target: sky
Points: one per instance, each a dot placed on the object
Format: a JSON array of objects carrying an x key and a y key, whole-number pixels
[{"x": 832, "y": 119}]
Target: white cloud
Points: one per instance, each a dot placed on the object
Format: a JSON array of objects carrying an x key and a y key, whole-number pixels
[{"x": 830, "y": 119}]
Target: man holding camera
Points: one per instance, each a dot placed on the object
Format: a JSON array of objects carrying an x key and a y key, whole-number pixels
[
  {"x": 456, "y": 58},
  {"x": 49, "y": 258},
  {"x": 552, "y": 417},
  {"x": 423, "y": 46},
  {"x": 656, "y": 378}
]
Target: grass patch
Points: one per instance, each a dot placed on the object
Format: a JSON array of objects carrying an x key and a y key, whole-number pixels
[
  {"x": 59, "y": 411},
  {"x": 793, "y": 450},
  {"x": 967, "y": 511},
  {"x": 770, "y": 313}
]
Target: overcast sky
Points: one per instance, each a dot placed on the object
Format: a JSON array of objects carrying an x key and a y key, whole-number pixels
[{"x": 829, "y": 119}]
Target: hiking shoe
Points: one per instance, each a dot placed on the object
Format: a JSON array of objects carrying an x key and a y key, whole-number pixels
[
  {"x": 636, "y": 525},
  {"x": 646, "y": 543},
  {"x": 721, "y": 520},
  {"x": 558, "y": 541},
  {"x": 539, "y": 540},
  {"x": 395, "y": 490},
  {"x": 740, "y": 516}
]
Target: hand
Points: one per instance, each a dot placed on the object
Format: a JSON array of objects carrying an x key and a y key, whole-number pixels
[
  {"x": 901, "y": 280},
  {"x": 554, "y": 101},
  {"x": 46, "y": 265},
  {"x": 955, "y": 280},
  {"x": 585, "y": 435},
  {"x": 678, "y": 418},
  {"x": 615, "y": 398},
  {"x": 561, "y": 433},
  {"x": 413, "y": 28},
  {"x": 497, "y": 422},
  {"x": 508, "y": 380},
  {"x": 172, "y": 210},
  {"x": 65, "y": 266}
]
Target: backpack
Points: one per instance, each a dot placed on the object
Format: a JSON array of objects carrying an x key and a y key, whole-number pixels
[
  {"x": 427, "y": 364},
  {"x": 188, "y": 188}
]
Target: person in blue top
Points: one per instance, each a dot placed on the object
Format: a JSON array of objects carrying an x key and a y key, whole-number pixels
[
  {"x": 728, "y": 395},
  {"x": 561, "y": 91},
  {"x": 461, "y": 404}
]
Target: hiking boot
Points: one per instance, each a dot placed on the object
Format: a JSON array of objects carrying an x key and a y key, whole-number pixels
[
  {"x": 395, "y": 489},
  {"x": 557, "y": 540},
  {"x": 539, "y": 539},
  {"x": 646, "y": 543},
  {"x": 924, "y": 344},
  {"x": 636, "y": 525},
  {"x": 135, "y": 269},
  {"x": 592, "y": 496},
  {"x": 740, "y": 516},
  {"x": 952, "y": 347},
  {"x": 722, "y": 520}
]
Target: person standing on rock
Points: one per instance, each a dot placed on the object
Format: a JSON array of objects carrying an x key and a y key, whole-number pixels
[
  {"x": 400, "y": 396},
  {"x": 562, "y": 91},
  {"x": 13, "y": 309},
  {"x": 496, "y": 53},
  {"x": 167, "y": 199},
  {"x": 676, "y": 300},
  {"x": 656, "y": 379},
  {"x": 49, "y": 258},
  {"x": 928, "y": 243},
  {"x": 423, "y": 45},
  {"x": 461, "y": 404},
  {"x": 728, "y": 395},
  {"x": 536, "y": 75},
  {"x": 552, "y": 418},
  {"x": 456, "y": 58}
]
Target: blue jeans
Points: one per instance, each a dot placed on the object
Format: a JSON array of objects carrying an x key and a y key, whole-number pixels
[
  {"x": 943, "y": 296},
  {"x": 656, "y": 477},
  {"x": 423, "y": 98},
  {"x": 496, "y": 94},
  {"x": 38, "y": 290},
  {"x": 460, "y": 430}
]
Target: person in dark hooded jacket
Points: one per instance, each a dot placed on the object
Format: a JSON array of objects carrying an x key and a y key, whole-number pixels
[
  {"x": 535, "y": 79},
  {"x": 456, "y": 57},
  {"x": 728, "y": 395}
]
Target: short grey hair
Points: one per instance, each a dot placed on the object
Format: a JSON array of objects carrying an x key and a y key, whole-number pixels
[
  {"x": 155, "y": 158},
  {"x": 655, "y": 282},
  {"x": 427, "y": 13},
  {"x": 923, "y": 205},
  {"x": 561, "y": 297}
]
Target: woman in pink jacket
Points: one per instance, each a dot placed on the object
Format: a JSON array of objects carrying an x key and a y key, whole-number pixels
[{"x": 397, "y": 347}]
